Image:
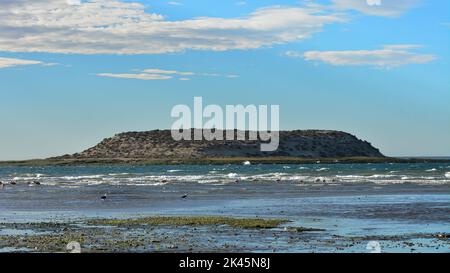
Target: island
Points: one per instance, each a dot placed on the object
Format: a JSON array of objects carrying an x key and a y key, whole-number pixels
[{"x": 158, "y": 147}]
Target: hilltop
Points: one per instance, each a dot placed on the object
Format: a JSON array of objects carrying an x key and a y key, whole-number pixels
[{"x": 158, "y": 144}]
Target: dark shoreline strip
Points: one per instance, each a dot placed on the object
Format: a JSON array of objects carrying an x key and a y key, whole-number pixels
[{"x": 217, "y": 161}]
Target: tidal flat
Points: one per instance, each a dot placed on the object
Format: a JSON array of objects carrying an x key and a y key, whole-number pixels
[
  {"x": 128, "y": 235},
  {"x": 199, "y": 234},
  {"x": 226, "y": 208}
]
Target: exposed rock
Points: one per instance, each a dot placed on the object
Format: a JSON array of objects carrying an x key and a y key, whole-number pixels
[{"x": 160, "y": 144}]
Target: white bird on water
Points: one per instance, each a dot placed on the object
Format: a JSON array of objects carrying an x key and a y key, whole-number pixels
[{"x": 247, "y": 163}]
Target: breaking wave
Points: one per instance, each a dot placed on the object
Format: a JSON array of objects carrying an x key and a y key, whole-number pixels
[{"x": 227, "y": 174}]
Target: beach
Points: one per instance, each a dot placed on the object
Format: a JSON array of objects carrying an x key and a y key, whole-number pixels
[{"x": 383, "y": 207}]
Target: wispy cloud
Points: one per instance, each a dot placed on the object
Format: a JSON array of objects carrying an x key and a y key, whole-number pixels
[
  {"x": 387, "y": 8},
  {"x": 9, "y": 62},
  {"x": 161, "y": 74},
  {"x": 50, "y": 64},
  {"x": 293, "y": 54},
  {"x": 161, "y": 71},
  {"x": 140, "y": 76},
  {"x": 389, "y": 56},
  {"x": 124, "y": 27},
  {"x": 174, "y": 3}
]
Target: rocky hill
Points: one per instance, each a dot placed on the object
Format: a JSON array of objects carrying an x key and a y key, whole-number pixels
[{"x": 158, "y": 144}]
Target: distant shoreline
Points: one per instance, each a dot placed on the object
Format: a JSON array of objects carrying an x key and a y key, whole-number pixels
[{"x": 216, "y": 161}]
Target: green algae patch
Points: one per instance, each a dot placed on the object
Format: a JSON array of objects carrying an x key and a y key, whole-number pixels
[
  {"x": 303, "y": 229},
  {"x": 246, "y": 223}
]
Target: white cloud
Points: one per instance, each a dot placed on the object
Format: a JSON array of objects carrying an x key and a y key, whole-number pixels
[
  {"x": 173, "y": 3},
  {"x": 387, "y": 8},
  {"x": 161, "y": 74},
  {"x": 9, "y": 62},
  {"x": 210, "y": 74},
  {"x": 293, "y": 54},
  {"x": 388, "y": 57},
  {"x": 50, "y": 64},
  {"x": 74, "y": 2},
  {"x": 116, "y": 27},
  {"x": 141, "y": 76},
  {"x": 161, "y": 71}
]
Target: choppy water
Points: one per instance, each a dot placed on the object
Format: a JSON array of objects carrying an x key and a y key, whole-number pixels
[{"x": 223, "y": 174}]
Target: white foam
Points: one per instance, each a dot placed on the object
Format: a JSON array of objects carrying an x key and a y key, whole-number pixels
[
  {"x": 82, "y": 177},
  {"x": 219, "y": 176},
  {"x": 382, "y": 176},
  {"x": 350, "y": 176}
]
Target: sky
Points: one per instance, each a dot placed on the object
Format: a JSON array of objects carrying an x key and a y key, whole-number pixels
[{"x": 74, "y": 72}]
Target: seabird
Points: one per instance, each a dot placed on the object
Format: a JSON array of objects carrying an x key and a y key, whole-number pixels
[
  {"x": 104, "y": 196},
  {"x": 12, "y": 183},
  {"x": 184, "y": 196},
  {"x": 37, "y": 183}
]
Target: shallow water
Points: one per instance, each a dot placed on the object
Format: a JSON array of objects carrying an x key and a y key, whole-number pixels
[{"x": 353, "y": 200}]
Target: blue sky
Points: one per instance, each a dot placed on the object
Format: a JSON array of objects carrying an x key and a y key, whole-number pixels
[{"x": 75, "y": 72}]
